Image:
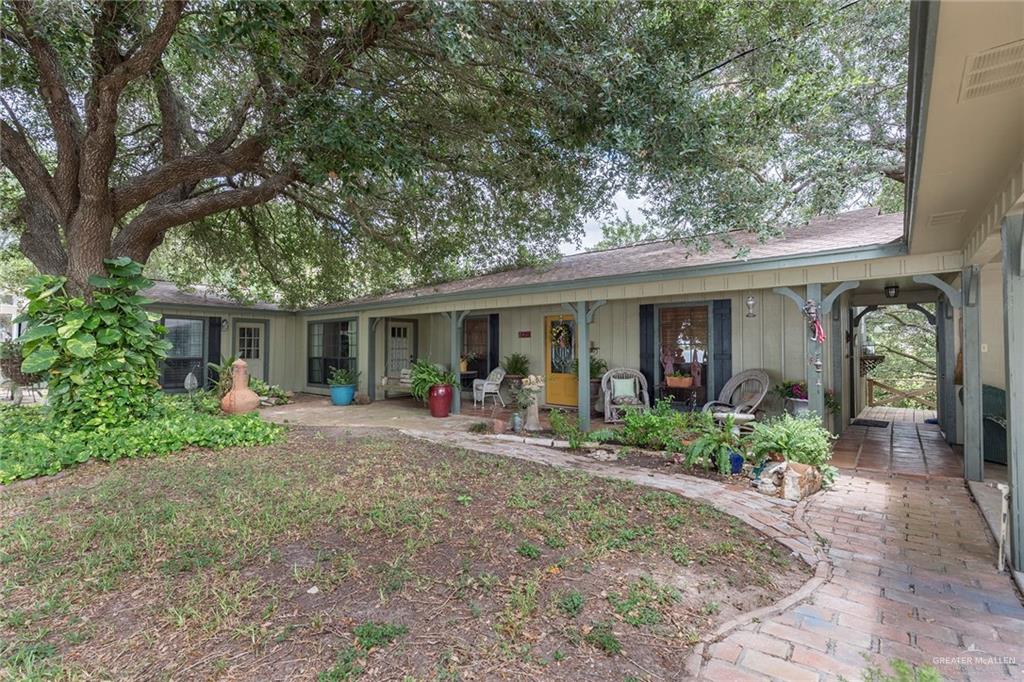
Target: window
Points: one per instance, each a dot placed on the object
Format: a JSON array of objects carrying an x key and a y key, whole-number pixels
[
  {"x": 249, "y": 342},
  {"x": 186, "y": 354},
  {"x": 683, "y": 340},
  {"x": 331, "y": 344},
  {"x": 476, "y": 344}
]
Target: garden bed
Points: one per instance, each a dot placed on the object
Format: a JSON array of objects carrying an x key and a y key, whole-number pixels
[{"x": 330, "y": 553}]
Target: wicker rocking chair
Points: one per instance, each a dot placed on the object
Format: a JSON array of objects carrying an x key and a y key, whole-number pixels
[
  {"x": 742, "y": 394},
  {"x": 633, "y": 394}
]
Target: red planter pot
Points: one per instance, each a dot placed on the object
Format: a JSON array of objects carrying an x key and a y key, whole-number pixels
[{"x": 440, "y": 400}]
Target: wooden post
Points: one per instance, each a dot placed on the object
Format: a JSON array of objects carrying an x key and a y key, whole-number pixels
[
  {"x": 1013, "y": 336},
  {"x": 583, "y": 362},
  {"x": 371, "y": 356},
  {"x": 973, "y": 424},
  {"x": 455, "y": 319}
]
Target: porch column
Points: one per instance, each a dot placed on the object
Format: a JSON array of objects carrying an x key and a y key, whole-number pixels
[
  {"x": 455, "y": 330},
  {"x": 1013, "y": 336},
  {"x": 363, "y": 344},
  {"x": 946, "y": 358},
  {"x": 971, "y": 287},
  {"x": 371, "y": 357},
  {"x": 583, "y": 311}
]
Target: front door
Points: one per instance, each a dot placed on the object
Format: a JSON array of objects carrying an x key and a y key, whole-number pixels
[
  {"x": 249, "y": 343},
  {"x": 399, "y": 344},
  {"x": 560, "y": 356}
]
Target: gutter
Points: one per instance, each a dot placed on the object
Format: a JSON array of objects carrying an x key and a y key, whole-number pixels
[
  {"x": 774, "y": 262},
  {"x": 924, "y": 21}
]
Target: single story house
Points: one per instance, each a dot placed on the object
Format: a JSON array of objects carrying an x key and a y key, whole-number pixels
[{"x": 659, "y": 308}]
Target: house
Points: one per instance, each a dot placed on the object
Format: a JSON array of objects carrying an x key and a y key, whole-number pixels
[{"x": 959, "y": 245}]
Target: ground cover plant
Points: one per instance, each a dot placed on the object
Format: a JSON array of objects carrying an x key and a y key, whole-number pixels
[
  {"x": 346, "y": 556},
  {"x": 31, "y": 444}
]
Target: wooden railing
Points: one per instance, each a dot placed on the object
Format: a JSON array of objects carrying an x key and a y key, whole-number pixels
[{"x": 892, "y": 394}]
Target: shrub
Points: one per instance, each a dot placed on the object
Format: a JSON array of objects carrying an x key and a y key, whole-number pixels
[
  {"x": 664, "y": 428},
  {"x": 715, "y": 447},
  {"x": 100, "y": 356},
  {"x": 567, "y": 429},
  {"x": 33, "y": 445},
  {"x": 516, "y": 364},
  {"x": 798, "y": 439}
]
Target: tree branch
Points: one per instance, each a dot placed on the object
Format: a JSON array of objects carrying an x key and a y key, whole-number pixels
[
  {"x": 16, "y": 153},
  {"x": 64, "y": 117},
  {"x": 144, "y": 231}
]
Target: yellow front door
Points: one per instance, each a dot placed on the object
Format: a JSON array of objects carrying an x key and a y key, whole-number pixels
[{"x": 560, "y": 354}]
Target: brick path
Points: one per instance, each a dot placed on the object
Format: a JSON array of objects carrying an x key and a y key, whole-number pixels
[{"x": 907, "y": 572}]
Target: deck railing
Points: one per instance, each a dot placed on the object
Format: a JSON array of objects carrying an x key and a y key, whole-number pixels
[{"x": 891, "y": 394}]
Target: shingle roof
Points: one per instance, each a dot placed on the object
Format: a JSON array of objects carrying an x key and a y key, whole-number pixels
[
  {"x": 854, "y": 229},
  {"x": 168, "y": 293}
]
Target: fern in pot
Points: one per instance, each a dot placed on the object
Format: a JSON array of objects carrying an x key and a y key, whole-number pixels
[{"x": 434, "y": 385}]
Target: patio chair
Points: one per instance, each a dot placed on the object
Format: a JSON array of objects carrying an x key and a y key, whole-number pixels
[
  {"x": 489, "y": 386},
  {"x": 742, "y": 394},
  {"x": 623, "y": 388}
]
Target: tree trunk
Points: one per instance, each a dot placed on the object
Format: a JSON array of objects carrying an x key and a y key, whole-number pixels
[{"x": 89, "y": 237}]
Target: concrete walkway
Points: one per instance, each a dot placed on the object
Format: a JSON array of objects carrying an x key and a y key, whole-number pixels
[{"x": 904, "y": 570}]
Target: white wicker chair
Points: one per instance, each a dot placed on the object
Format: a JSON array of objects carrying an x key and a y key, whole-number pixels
[
  {"x": 742, "y": 394},
  {"x": 613, "y": 411},
  {"x": 489, "y": 386}
]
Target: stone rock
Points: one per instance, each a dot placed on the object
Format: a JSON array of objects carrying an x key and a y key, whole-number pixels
[
  {"x": 799, "y": 481},
  {"x": 765, "y": 485},
  {"x": 240, "y": 399},
  {"x": 362, "y": 399},
  {"x": 770, "y": 482},
  {"x": 603, "y": 455}
]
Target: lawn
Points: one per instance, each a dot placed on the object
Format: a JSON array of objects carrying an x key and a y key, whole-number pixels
[{"x": 335, "y": 555}]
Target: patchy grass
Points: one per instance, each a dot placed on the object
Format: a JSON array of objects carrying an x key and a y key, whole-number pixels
[{"x": 336, "y": 556}]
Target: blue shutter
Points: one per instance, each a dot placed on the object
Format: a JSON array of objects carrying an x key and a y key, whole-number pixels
[
  {"x": 647, "y": 346},
  {"x": 493, "y": 352},
  {"x": 721, "y": 354},
  {"x": 212, "y": 349}
]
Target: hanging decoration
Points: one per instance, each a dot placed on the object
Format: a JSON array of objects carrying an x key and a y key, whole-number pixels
[
  {"x": 561, "y": 334},
  {"x": 817, "y": 332}
]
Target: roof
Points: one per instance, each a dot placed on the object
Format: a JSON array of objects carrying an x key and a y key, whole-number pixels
[
  {"x": 200, "y": 295},
  {"x": 852, "y": 230}
]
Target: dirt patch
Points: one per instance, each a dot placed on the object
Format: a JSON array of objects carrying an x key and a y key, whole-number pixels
[{"x": 377, "y": 556}]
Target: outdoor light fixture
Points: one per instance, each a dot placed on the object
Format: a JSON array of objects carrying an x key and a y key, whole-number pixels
[
  {"x": 751, "y": 301},
  {"x": 892, "y": 290}
]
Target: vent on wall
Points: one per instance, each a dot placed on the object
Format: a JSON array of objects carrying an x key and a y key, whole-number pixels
[
  {"x": 946, "y": 220},
  {"x": 995, "y": 70}
]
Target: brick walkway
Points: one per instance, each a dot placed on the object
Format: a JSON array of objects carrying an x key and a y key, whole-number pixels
[
  {"x": 906, "y": 572},
  {"x": 902, "y": 448}
]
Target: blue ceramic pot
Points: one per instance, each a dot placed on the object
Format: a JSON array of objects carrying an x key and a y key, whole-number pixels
[
  {"x": 343, "y": 395},
  {"x": 736, "y": 462}
]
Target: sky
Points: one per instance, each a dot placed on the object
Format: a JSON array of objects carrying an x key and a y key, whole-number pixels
[{"x": 592, "y": 228}]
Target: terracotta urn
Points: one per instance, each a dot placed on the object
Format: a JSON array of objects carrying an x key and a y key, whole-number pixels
[{"x": 240, "y": 399}]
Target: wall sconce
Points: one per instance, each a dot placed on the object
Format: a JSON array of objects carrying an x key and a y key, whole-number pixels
[
  {"x": 751, "y": 302},
  {"x": 224, "y": 325},
  {"x": 892, "y": 290}
]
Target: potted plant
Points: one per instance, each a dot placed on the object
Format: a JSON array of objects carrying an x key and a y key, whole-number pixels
[
  {"x": 517, "y": 366},
  {"x": 433, "y": 385},
  {"x": 343, "y": 385},
  {"x": 465, "y": 359},
  {"x": 679, "y": 380}
]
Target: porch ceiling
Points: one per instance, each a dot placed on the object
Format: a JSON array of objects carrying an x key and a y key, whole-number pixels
[{"x": 972, "y": 144}]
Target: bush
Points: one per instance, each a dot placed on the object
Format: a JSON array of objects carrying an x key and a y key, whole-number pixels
[
  {"x": 798, "y": 439},
  {"x": 32, "y": 444},
  {"x": 663, "y": 428},
  {"x": 567, "y": 429},
  {"x": 516, "y": 364},
  {"x": 100, "y": 356}
]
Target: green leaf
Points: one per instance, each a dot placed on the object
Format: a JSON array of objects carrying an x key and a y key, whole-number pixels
[
  {"x": 82, "y": 345},
  {"x": 69, "y": 328},
  {"x": 39, "y": 360},
  {"x": 41, "y": 332},
  {"x": 108, "y": 336},
  {"x": 102, "y": 282}
]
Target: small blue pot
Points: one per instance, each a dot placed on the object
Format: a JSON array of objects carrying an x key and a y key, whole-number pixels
[
  {"x": 343, "y": 395},
  {"x": 736, "y": 462}
]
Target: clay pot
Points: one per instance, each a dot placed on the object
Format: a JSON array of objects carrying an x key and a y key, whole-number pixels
[
  {"x": 240, "y": 399},
  {"x": 440, "y": 400}
]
